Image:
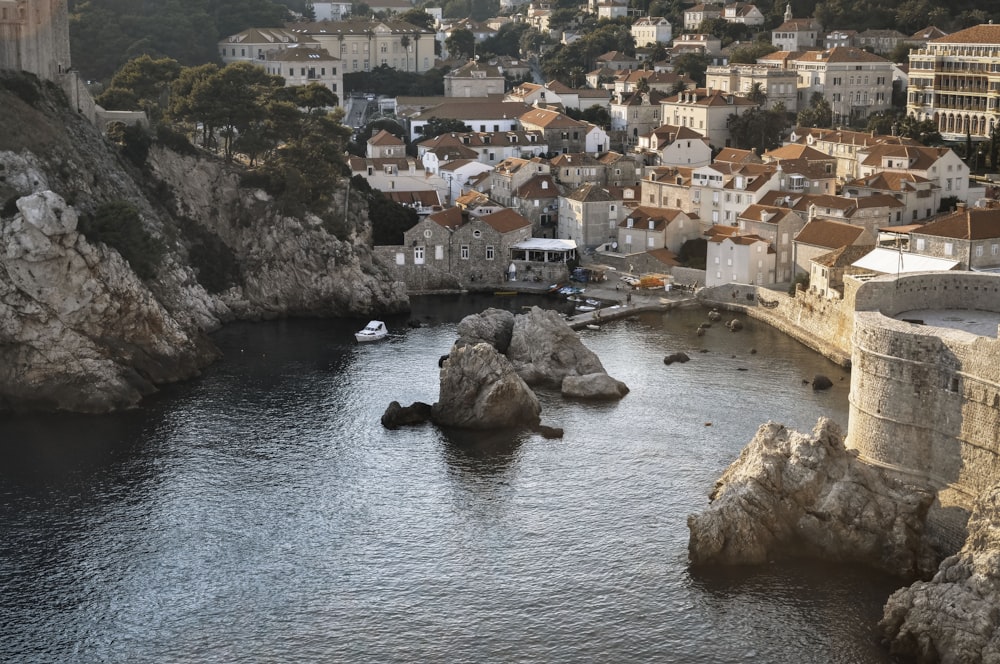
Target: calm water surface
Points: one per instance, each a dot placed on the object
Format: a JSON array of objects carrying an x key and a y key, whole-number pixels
[{"x": 262, "y": 514}]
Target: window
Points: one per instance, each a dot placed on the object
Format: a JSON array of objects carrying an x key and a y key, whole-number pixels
[
  {"x": 465, "y": 252},
  {"x": 949, "y": 248},
  {"x": 979, "y": 250},
  {"x": 439, "y": 252},
  {"x": 418, "y": 255},
  {"x": 477, "y": 234},
  {"x": 490, "y": 254},
  {"x": 920, "y": 244}
]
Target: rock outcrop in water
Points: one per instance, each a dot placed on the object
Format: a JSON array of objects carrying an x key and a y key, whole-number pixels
[
  {"x": 485, "y": 378},
  {"x": 481, "y": 390},
  {"x": 955, "y": 617},
  {"x": 79, "y": 330},
  {"x": 792, "y": 494},
  {"x": 545, "y": 350}
]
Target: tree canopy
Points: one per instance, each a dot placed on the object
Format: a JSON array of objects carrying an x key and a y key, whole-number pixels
[{"x": 105, "y": 34}]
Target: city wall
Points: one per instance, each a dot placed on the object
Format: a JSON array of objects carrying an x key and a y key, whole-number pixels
[{"x": 925, "y": 401}]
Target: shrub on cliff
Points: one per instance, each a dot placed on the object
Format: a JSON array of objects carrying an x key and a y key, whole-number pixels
[{"x": 118, "y": 225}]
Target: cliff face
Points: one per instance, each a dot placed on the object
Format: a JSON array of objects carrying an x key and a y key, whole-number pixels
[{"x": 79, "y": 330}]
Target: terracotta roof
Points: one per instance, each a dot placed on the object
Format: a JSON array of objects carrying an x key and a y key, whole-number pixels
[
  {"x": 542, "y": 117},
  {"x": 829, "y": 234},
  {"x": 758, "y": 212},
  {"x": 918, "y": 157},
  {"x": 844, "y": 256},
  {"x": 891, "y": 181},
  {"x": 928, "y": 33},
  {"x": 451, "y": 218},
  {"x": 615, "y": 56},
  {"x": 383, "y": 137},
  {"x": 472, "y": 199},
  {"x": 354, "y": 26},
  {"x": 482, "y": 110},
  {"x": 295, "y": 53},
  {"x": 506, "y": 220},
  {"x": 704, "y": 97},
  {"x": 984, "y": 33},
  {"x": 721, "y": 231},
  {"x": 426, "y": 197},
  {"x": 590, "y": 193},
  {"x": 469, "y": 69},
  {"x": 798, "y": 25},
  {"x": 641, "y": 215},
  {"x": 797, "y": 151},
  {"x": 840, "y": 54},
  {"x": 664, "y": 256},
  {"x": 967, "y": 224},
  {"x": 534, "y": 189},
  {"x": 736, "y": 156}
]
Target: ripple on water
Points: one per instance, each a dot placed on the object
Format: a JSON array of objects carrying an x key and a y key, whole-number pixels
[{"x": 261, "y": 513}]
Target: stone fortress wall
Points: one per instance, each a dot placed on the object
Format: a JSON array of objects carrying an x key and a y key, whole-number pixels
[{"x": 925, "y": 401}]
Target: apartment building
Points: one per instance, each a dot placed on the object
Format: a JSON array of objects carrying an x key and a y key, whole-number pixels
[
  {"x": 362, "y": 44},
  {"x": 856, "y": 83},
  {"x": 955, "y": 81},
  {"x": 779, "y": 85}
]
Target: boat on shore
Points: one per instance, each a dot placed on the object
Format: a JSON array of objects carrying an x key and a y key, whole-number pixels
[{"x": 373, "y": 331}]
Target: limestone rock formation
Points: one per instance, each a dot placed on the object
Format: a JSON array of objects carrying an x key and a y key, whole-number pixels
[
  {"x": 78, "y": 329},
  {"x": 795, "y": 494},
  {"x": 595, "y": 386},
  {"x": 955, "y": 617},
  {"x": 545, "y": 350},
  {"x": 481, "y": 390},
  {"x": 493, "y": 326}
]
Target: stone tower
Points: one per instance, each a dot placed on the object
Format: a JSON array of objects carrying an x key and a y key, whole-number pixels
[
  {"x": 788, "y": 12},
  {"x": 34, "y": 37}
]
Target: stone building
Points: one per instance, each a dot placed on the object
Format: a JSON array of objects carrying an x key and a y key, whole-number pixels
[
  {"x": 821, "y": 236},
  {"x": 648, "y": 228},
  {"x": 968, "y": 235},
  {"x": 589, "y": 215},
  {"x": 454, "y": 248},
  {"x": 740, "y": 258},
  {"x": 474, "y": 79},
  {"x": 920, "y": 197},
  {"x": 385, "y": 144},
  {"x": 797, "y": 34},
  {"x": 253, "y": 44},
  {"x": 563, "y": 133}
]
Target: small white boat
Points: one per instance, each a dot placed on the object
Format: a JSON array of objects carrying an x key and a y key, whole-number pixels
[{"x": 373, "y": 331}]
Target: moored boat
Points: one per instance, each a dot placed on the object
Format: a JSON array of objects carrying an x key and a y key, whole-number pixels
[{"x": 373, "y": 331}]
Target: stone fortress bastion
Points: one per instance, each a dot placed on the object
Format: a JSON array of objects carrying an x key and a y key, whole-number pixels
[{"x": 925, "y": 399}]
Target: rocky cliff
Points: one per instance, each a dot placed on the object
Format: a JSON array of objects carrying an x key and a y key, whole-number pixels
[
  {"x": 793, "y": 494},
  {"x": 79, "y": 329},
  {"x": 955, "y": 617}
]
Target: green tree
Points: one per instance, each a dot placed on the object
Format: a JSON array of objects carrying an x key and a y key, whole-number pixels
[
  {"x": 692, "y": 65},
  {"x": 438, "y": 126},
  {"x": 461, "y": 43},
  {"x": 417, "y": 17},
  {"x": 817, "y": 114},
  {"x": 146, "y": 81},
  {"x": 118, "y": 225},
  {"x": 758, "y": 129},
  {"x": 748, "y": 53}
]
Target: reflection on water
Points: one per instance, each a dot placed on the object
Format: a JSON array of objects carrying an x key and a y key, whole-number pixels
[{"x": 261, "y": 513}]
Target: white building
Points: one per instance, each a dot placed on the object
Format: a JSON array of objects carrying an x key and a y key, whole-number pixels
[
  {"x": 738, "y": 259},
  {"x": 652, "y": 30},
  {"x": 302, "y": 65}
]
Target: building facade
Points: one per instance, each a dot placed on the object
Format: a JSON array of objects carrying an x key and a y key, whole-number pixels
[{"x": 955, "y": 82}]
